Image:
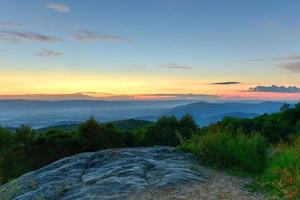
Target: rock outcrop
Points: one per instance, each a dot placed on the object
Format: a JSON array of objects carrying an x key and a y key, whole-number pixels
[{"x": 108, "y": 174}]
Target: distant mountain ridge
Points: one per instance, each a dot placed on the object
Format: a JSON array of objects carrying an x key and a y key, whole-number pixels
[
  {"x": 206, "y": 113},
  {"x": 39, "y": 114},
  {"x": 203, "y": 109}
]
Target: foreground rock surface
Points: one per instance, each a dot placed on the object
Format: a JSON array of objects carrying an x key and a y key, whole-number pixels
[{"x": 131, "y": 173}]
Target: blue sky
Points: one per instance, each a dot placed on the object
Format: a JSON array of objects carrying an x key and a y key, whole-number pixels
[{"x": 165, "y": 41}]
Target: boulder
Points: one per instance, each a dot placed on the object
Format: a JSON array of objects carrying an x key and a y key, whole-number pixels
[{"x": 107, "y": 174}]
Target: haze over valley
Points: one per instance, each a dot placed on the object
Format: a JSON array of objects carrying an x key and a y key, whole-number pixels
[{"x": 40, "y": 114}]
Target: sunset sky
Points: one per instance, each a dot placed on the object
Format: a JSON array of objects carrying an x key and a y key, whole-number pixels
[{"x": 140, "y": 49}]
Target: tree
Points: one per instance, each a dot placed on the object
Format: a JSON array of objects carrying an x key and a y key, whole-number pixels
[
  {"x": 284, "y": 107},
  {"x": 188, "y": 126},
  {"x": 91, "y": 135},
  {"x": 6, "y": 139},
  {"x": 24, "y": 134}
]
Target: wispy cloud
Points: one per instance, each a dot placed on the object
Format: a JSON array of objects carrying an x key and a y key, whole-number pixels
[
  {"x": 108, "y": 96},
  {"x": 292, "y": 66},
  {"x": 270, "y": 24},
  {"x": 48, "y": 53},
  {"x": 48, "y": 96},
  {"x": 10, "y": 24},
  {"x": 138, "y": 67},
  {"x": 292, "y": 63},
  {"x": 18, "y": 36},
  {"x": 293, "y": 58},
  {"x": 277, "y": 59},
  {"x": 275, "y": 89},
  {"x": 59, "y": 7},
  {"x": 226, "y": 83},
  {"x": 175, "y": 66},
  {"x": 90, "y": 36},
  {"x": 190, "y": 96}
]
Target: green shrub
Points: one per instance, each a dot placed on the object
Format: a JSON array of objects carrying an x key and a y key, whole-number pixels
[
  {"x": 223, "y": 150},
  {"x": 282, "y": 176}
]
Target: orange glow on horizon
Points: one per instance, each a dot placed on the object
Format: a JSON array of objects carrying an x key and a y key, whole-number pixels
[{"x": 114, "y": 86}]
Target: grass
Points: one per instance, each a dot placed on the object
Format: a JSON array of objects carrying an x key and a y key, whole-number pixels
[
  {"x": 277, "y": 173},
  {"x": 282, "y": 175},
  {"x": 226, "y": 151}
]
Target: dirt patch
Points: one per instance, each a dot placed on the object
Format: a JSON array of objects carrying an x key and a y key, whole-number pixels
[{"x": 219, "y": 186}]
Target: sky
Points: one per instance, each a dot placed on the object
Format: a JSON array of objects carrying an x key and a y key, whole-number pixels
[{"x": 158, "y": 49}]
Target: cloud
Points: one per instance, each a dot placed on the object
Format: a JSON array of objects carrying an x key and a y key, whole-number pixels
[
  {"x": 279, "y": 58},
  {"x": 292, "y": 66},
  {"x": 287, "y": 58},
  {"x": 175, "y": 66},
  {"x": 48, "y": 96},
  {"x": 226, "y": 83},
  {"x": 160, "y": 96},
  {"x": 48, "y": 53},
  {"x": 178, "y": 96},
  {"x": 270, "y": 25},
  {"x": 293, "y": 58},
  {"x": 10, "y": 24},
  {"x": 275, "y": 89},
  {"x": 108, "y": 96},
  {"x": 18, "y": 36},
  {"x": 90, "y": 36},
  {"x": 138, "y": 67},
  {"x": 58, "y": 7}
]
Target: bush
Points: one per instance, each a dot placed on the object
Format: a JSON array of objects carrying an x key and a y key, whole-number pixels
[
  {"x": 282, "y": 176},
  {"x": 223, "y": 150}
]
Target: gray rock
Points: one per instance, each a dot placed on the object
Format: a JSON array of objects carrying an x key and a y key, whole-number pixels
[{"x": 108, "y": 174}]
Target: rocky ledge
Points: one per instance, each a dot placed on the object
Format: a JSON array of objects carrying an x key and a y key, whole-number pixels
[{"x": 108, "y": 174}]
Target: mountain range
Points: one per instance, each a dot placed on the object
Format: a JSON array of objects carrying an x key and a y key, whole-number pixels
[{"x": 39, "y": 114}]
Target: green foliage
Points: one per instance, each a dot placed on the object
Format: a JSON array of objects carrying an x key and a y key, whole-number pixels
[
  {"x": 96, "y": 136},
  {"x": 131, "y": 124},
  {"x": 282, "y": 176},
  {"x": 167, "y": 131},
  {"x": 24, "y": 134},
  {"x": 6, "y": 139},
  {"x": 223, "y": 150},
  {"x": 187, "y": 126},
  {"x": 275, "y": 127}
]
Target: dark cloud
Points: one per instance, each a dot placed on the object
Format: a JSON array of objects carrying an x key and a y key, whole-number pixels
[
  {"x": 292, "y": 66},
  {"x": 275, "y": 89},
  {"x": 59, "y": 7},
  {"x": 226, "y": 83},
  {"x": 18, "y": 36},
  {"x": 175, "y": 66},
  {"x": 89, "y": 36},
  {"x": 48, "y": 53}
]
